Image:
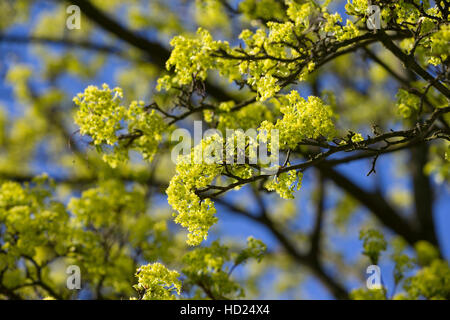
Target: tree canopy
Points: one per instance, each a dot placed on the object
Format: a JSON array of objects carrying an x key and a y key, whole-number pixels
[{"x": 89, "y": 122}]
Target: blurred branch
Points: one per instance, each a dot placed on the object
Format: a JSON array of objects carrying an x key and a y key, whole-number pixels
[
  {"x": 155, "y": 51},
  {"x": 6, "y": 38},
  {"x": 311, "y": 262},
  {"x": 320, "y": 209},
  {"x": 375, "y": 203},
  {"x": 423, "y": 193}
]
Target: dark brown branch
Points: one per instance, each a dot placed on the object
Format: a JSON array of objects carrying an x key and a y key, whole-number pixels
[
  {"x": 64, "y": 42},
  {"x": 411, "y": 63},
  {"x": 320, "y": 210},
  {"x": 423, "y": 196},
  {"x": 39, "y": 282}
]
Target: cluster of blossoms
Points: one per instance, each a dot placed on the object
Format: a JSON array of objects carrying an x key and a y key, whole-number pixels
[
  {"x": 285, "y": 184},
  {"x": 407, "y": 103},
  {"x": 438, "y": 44},
  {"x": 102, "y": 117},
  {"x": 193, "y": 213},
  {"x": 373, "y": 244},
  {"x": 155, "y": 281},
  {"x": 193, "y": 57},
  {"x": 302, "y": 119}
]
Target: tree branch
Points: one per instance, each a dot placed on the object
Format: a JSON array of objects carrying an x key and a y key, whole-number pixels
[
  {"x": 411, "y": 63},
  {"x": 312, "y": 263},
  {"x": 64, "y": 42},
  {"x": 375, "y": 203}
]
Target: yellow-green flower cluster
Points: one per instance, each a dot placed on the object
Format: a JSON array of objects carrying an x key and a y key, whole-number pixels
[
  {"x": 373, "y": 244},
  {"x": 285, "y": 184},
  {"x": 262, "y": 9},
  {"x": 303, "y": 119},
  {"x": 279, "y": 32},
  {"x": 100, "y": 113},
  {"x": 266, "y": 86},
  {"x": 267, "y": 56},
  {"x": 256, "y": 249},
  {"x": 206, "y": 266},
  {"x": 151, "y": 126},
  {"x": 347, "y": 32},
  {"x": 440, "y": 45},
  {"x": 192, "y": 173},
  {"x": 30, "y": 222},
  {"x": 300, "y": 13},
  {"x": 193, "y": 57},
  {"x": 248, "y": 117},
  {"x": 432, "y": 282},
  {"x": 357, "y": 137},
  {"x": 101, "y": 116},
  {"x": 407, "y": 103},
  {"x": 261, "y": 73},
  {"x": 405, "y": 12},
  {"x": 357, "y": 7},
  {"x": 156, "y": 282},
  {"x": 331, "y": 22}
]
